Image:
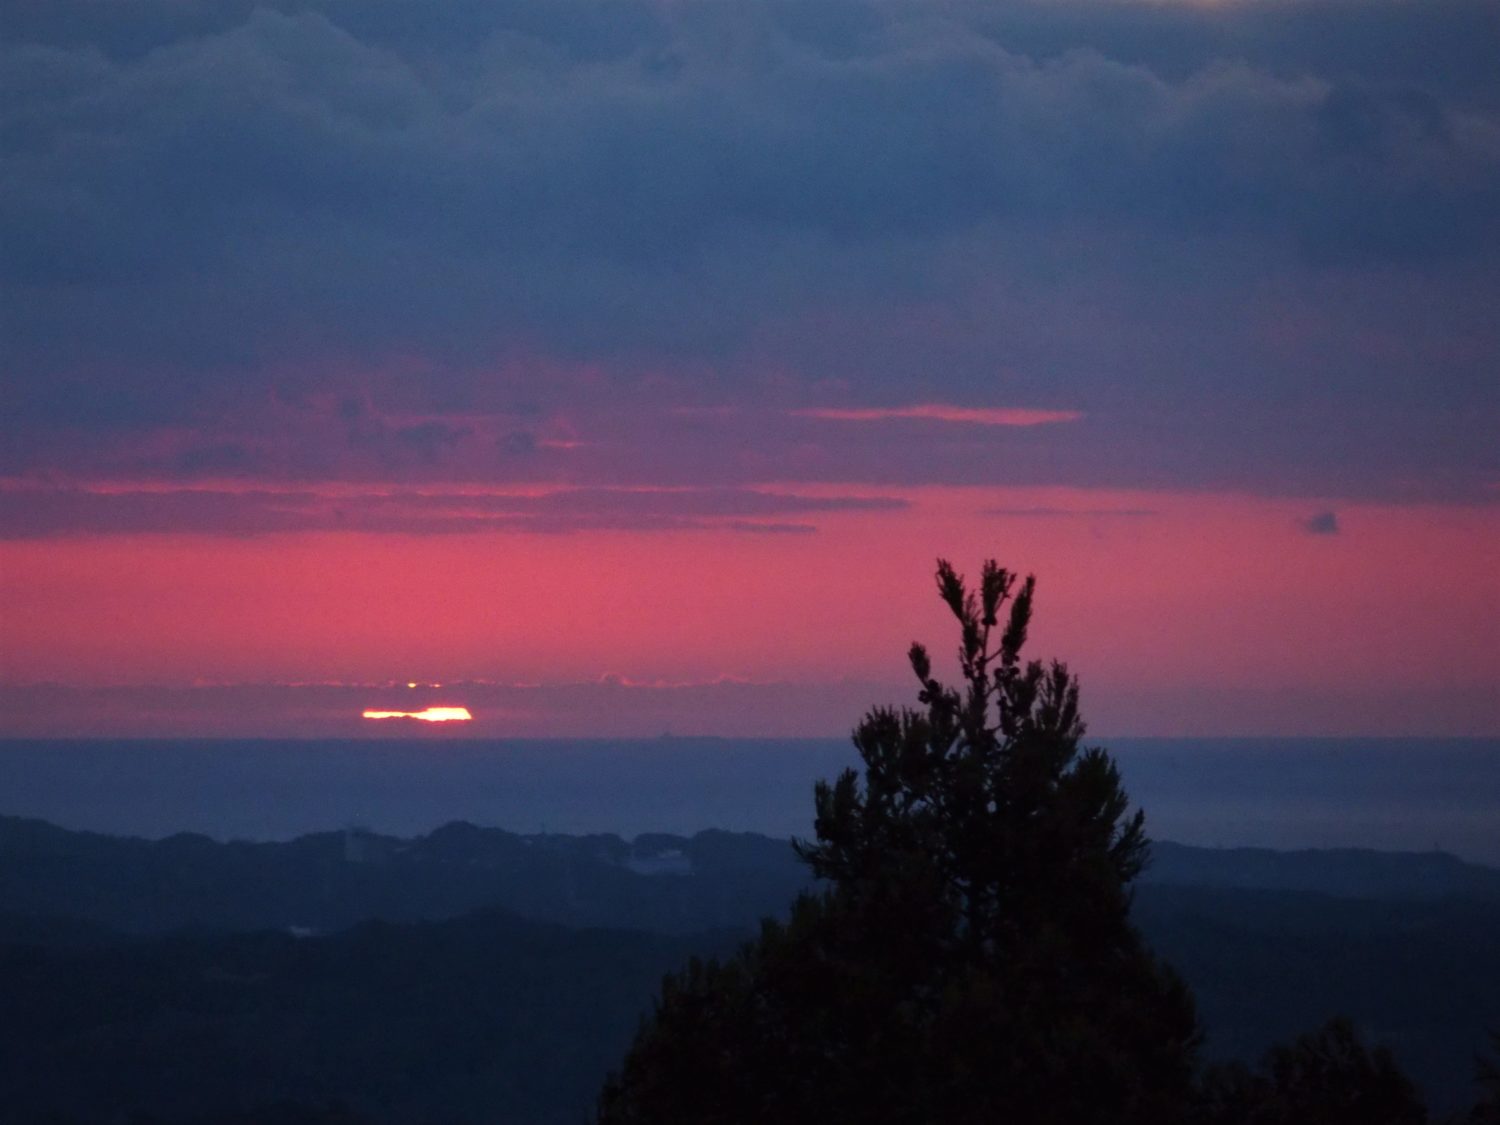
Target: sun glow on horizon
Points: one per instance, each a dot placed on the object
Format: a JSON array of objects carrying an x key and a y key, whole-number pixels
[{"x": 428, "y": 715}]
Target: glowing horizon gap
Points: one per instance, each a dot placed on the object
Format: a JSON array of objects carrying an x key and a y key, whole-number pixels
[{"x": 427, "y": 715}]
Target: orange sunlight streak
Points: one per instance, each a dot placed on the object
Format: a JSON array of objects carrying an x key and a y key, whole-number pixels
[{"x": 429, "y": 715}]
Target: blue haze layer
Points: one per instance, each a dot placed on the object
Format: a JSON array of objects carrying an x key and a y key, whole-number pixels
[{"x": 1392, "y": 794}]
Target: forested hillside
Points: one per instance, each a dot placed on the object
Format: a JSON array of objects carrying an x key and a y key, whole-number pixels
[{"x": 167, "y": 976}]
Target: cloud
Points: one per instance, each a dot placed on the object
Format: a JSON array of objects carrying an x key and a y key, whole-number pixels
[
  {"x": 939, "y": 412},
  {"x": 1072, "y": 513},
  {"x": 426, "y": 442},
  {"x": 607, "y": 707},
  {"x": 316, "y": 166},
  {"x": 1321, "y": 523},
  {"x": 772, "y": 528},
  {"x": 30, "y": 511},
  {"x": 615, "y": 707},
  {"x": 1166, "y": 217}
]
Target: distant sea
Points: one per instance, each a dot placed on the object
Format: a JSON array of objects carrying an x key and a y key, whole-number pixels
[{"x": 1391, "y": 794}]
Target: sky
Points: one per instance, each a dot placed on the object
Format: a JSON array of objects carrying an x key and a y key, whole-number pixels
[{"x": 622, "y": 367}]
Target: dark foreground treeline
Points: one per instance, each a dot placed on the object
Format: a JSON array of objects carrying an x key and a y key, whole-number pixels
[{"x": 477, "y": 975}]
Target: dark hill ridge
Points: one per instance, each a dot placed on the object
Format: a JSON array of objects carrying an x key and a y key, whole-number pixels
[
  {"x": 332, "y": 880},
  {"x": 484, "y": 1018},
  {"x": 663, "y": 883},
  {"x": 1346, "y": 872},
  {"x": 519, "y": 1005},
  {"x": 446, "y": 1021}
]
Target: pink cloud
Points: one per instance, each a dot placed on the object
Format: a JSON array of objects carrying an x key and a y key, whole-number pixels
[{"x": 942, "y": 412}]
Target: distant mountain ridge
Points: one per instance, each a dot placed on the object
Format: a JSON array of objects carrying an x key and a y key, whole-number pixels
[
  {"x": 658, "y": 882},
  {"x": 1344, "y": 872},
  {"x": 332, "y": 880},
  {"x": 114, "y": 950}
]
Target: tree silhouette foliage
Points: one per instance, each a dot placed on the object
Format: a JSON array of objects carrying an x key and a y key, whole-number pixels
[
  {"x": 1486, "y": 1109},
  {"x": 1328, "y": 1076},
  {"x": 971, "y": 958}
]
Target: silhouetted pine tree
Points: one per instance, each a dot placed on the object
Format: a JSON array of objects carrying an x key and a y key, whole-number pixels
[
  {"x": 1486, "y": 1110},
  {"x": 972, "y": 959},
  {"x": 1326, "y": 1077}
]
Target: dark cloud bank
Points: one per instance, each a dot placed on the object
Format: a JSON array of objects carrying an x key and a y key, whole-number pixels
[
  {"x": 1253, "y": 246},
  {"x": 46, "y": 511},
  {"x": 1321, "y": 523}
]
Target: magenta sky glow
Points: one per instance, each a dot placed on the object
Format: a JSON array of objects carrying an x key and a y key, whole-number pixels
[{"x": 632, "y": 369}]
